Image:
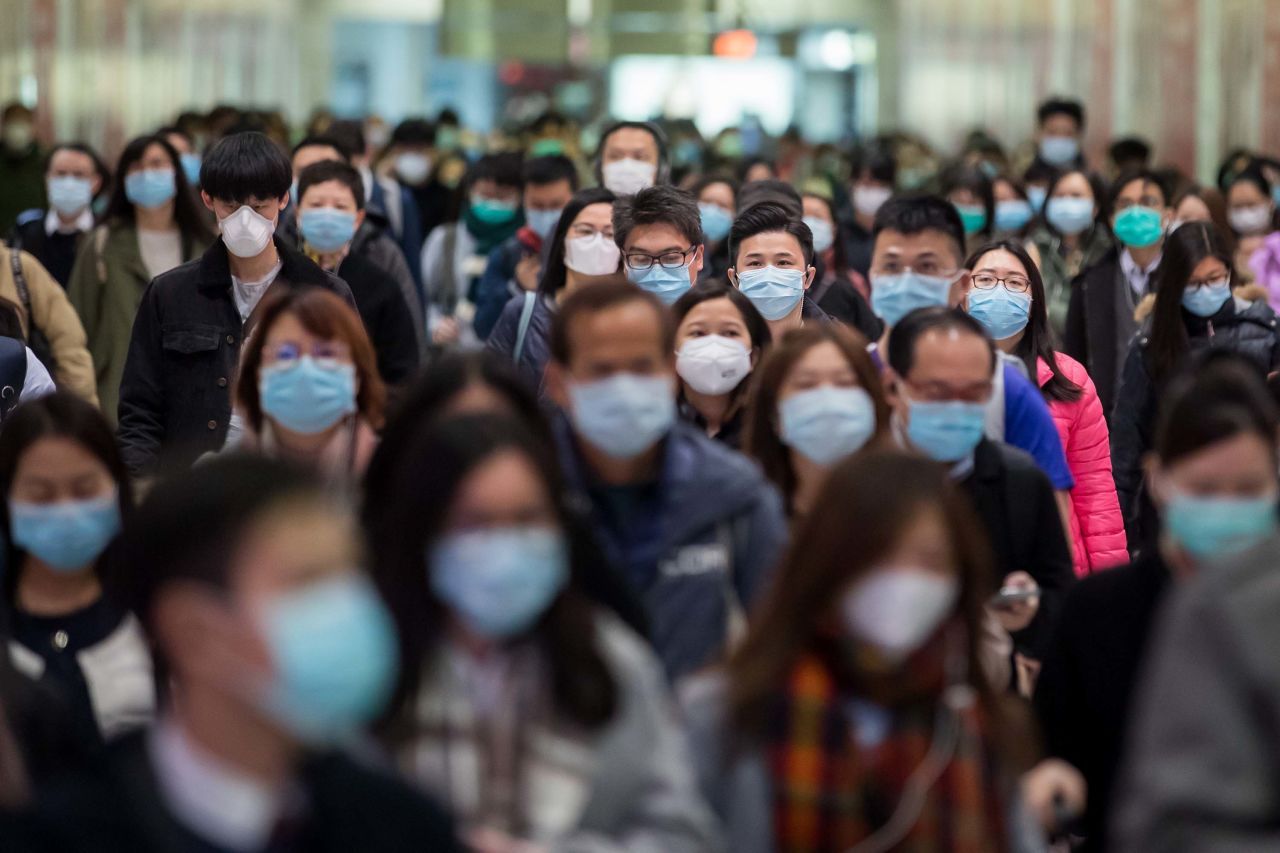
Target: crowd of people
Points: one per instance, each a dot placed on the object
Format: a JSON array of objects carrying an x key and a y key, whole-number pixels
[{"x": 392, "y": 489}]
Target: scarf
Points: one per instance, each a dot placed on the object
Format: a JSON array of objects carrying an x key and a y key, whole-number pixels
[{"x": 831, "y": 792}]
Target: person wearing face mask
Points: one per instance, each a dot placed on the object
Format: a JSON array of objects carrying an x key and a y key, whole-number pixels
[
  {"x": 939, "y": 382},
  {"x": 693, "y": 525},
  {"x": 67, "y": 492},
  {"x": 581, "y": 253},
  {"x": 175, "y": 394},
  {"x": 720, "y": 338},
  {"x": 75, "y": 178},
  {"x": 837, "y": 724},
  {"x": 409, "y": 160},
  {"x": 515, "y": 266},
  {"x": 1068, "y": 238},
  {"x": 875, "y": 174},
  {"x": 773, "y": 266},
  {"x": 331, "y": 215},
  {"x": 970, "y": 190},
  {"x": 456, "y": 254},
  {"x": 1195, "y": 311},
  {"x": 1251, "y": 213},
  {"x": 278, "y": 651},
  {"x": 21, "y": 164},
  {"x": 818, "y": 399},
  {"x": 152, "y": 224},
  {"x": 1213, "y": 475},
  {"x": 1059, "y": 130},
  {"x": 839, "y": 290},
  {"x": 658, "y": 231},
  {"x": 1036, "y": 180},
  {"x": 1007, "y": 295},
  {"x": 1013, "y": 212},
  {"x": 632, "y": 155},
  {"x": 542, "y": 721},
  {"x": 717, "y": 202}
]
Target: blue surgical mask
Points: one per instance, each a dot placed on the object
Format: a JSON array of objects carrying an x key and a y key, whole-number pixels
[
  {"x": 823, "y": 234},
  {"x": 775, "y": 292},
  {"x": 1275, "y": 195},
  {"x": 1002, "y": 312},
  {"x": 973, "y": 217},
  {"x": 666, "y": 284},
  {"x": 1036, "y": 197},
  {"x": 150, "y": 188},
  {"x": 1207, "y": 299},
  {"x": 826, "y": 424},
  {"x": 69, "y": 195},
  {"x": 625, "y": 414},
  {"x": 542, "y": 222},
  {"x": 1012, "y": 214},
  {"x": 1138, "y": 226},
  {"x": 191, "y": 168},
  {"x": 1069, "y": 216},
  {"x": 1208, "y": 527},
  {"x": 946, "y": 431},
  {"x": 1059, "y": 150},
  {"x": 65, "y": 536},
  {"x": 895, "y": 296},
  {"x": 305, "y": 396},
  {"x": 326, "y": 229},
  {"x": 334, "y": 657},
  {"x": 500, "y": 582},
  {"x": 716, "y": 221}
]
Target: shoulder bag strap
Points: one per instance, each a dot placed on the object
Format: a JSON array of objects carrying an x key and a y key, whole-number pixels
[{"x": 526, "y": 317}]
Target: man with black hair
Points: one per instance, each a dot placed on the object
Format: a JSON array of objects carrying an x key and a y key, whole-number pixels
[
  {"x": 74, "y": 175},
  {"x": 875, "y": 174},
  {"x": 547, "y": 184},
  {"x": 1129, "y": 154},
  {"x": 659, "y": 233},
  {"x": 412, "y": 154},
  {"x": 632, "y": 155},
  {"x": 1059, "y": 130},
  {"x": 772, "y": 252},
  {"x": 175, "y": 395}
]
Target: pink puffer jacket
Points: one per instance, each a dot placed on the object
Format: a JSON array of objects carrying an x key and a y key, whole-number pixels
[{"x": 1097, "y": 527}]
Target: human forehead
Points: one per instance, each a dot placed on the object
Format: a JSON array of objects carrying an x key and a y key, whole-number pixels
[
  {"x": 929, "y": 242},
  {"x": 951, "y": 355},
  {"x": 770, "y": 244}
]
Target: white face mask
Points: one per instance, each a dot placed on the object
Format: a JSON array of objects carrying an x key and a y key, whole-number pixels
[
  {"x": 246, "y": 233},
  {"x": 412, "y": 167},
  {"x": 867, "y": 200},
  {"x": 1253, "y": 219},
  {"x": 628, "y": 177},
  {"x": 713, "y": 364},
  {"x": 594, "y": 255},
  {"x": 896, "y": 610}
]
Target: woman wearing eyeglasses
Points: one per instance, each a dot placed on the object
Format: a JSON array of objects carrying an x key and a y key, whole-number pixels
[
  {"x": 1007, "y": 295},
  {"x": 309, "y": 388}
]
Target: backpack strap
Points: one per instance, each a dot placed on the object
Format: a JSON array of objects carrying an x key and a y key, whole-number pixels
[
  {"x": 20, "y": 282},
  {"x": 99, "y": 245},
  {"x": 526, "y": 317}
]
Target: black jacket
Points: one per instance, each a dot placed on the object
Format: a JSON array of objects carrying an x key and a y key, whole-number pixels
[
  {"x": 175, "y": 396},
  {"x": 386, "y": 316},
  {"x": 118, "y": 807},
  {"x": 1019, "y": 513},
  {"x": 56, "y": 252},
  {"x": 842, "y": 302},
  {"x": 1096, "y": 334},
  {"x": 1084, "y": 694}
]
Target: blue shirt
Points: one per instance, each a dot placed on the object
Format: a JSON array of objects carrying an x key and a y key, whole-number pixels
[{"x": 1029, "y": 426}]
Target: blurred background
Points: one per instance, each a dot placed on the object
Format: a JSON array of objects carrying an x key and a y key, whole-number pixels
[{"x": 1194, "y": 77}]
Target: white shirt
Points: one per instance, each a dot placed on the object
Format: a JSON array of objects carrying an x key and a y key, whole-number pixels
[
  {"x": 38, "y": 382},
  {"x": 53, "y": 223},
  {"x": 161, "y": 250},
  {"x": 1138, "y": 276},
  {"x": 248, "y": 294}
]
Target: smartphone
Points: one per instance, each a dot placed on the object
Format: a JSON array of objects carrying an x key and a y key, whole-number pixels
[{"x": 1012, "y": 595}]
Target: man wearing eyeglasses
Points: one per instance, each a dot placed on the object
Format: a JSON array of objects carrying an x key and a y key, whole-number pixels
[{"x": 659, "y": 232}]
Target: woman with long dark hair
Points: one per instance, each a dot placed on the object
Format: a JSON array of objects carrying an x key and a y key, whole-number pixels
[
  {"x": 1007, "y": 296},
  {"x": 516, "y": 696},
  {"x": 1070, "y": 236}
]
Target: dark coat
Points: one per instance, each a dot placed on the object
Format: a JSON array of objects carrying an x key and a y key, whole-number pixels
[
  {"x": 1099, "y": 328},
  {"x": 386, "y": 316},
  {"x": 537, "y": 339},
  {"x": 1086, "y": 686},
  {"x": 56, "y": 252},
  {"x": 841, "y": 301},
  {"x": 175, "y": 399}
]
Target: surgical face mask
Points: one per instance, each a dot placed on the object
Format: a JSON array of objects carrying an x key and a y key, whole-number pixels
[
  {"x": 895, "y": 610},
  {"x": 716, "y": 221},
  {"x": 623, "y": 415},
  {"x": 1138, "y": 226},
  {"x": 69, "y": 195},
  {"x": 1253, "y": 219},
  {"x": 491, "y": 211},
  {"x": 713, "y": 364},
  {"x": 629, "y": 176},
  {"x": 868, "y": 200},
  {"x": 823, "y": 234},
  {"x": 448, "y": 138},
  {"x": 191, "y": 167},
  {"x": 305, "y": 396},
  {"x": 1209, "y": 527},
  {"x": 1207, "y": 299},
  {"x": 775, "y": 292},
  {"x": 18, "y": 135},
  {"x": 895, "y": 296},
  {"x": 327, "y": 229},
  {"x": 334, "y": 658},
  {"x": 973, "y": 217},
  {"x": 946, "y": 431},
  {"x": 542, "y": 222},
  {"x": 826, "y": 424},
  {"x": 1070, "y": 216},
  {"x": 593, "y": 255},
  {"x": 150, "y": 188},
  {"x": 1036, "y": 197},
  {"x": 1275, "y": 195},
  {"x": 412, "y": 167},
  {"x": 1059, "y": 150},
  {"x": 666, "y": 284},
  {"x": 499, "y": 582},
  {"x": 1012, "y": 214},
  {"x": 1001, "y": 311},
  {"x": 65, "y": 536},
  {"x": 246, "y": 233}
]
